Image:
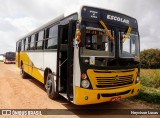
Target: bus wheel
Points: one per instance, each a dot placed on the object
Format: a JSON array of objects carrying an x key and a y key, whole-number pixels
[
  {"x": 23, "y": 73},
  {"x": 50, "y": 87}
]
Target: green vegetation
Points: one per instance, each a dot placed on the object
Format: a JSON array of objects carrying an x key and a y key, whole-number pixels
[
  {"x": 150, "y": 86},
  {"x": 149, "y": 94},
  {"x": 150, "y": 58},
  {"x": 150, "y": 78}
]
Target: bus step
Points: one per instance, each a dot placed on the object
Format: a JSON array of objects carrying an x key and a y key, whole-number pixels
[{"x": 65, "y": 96}]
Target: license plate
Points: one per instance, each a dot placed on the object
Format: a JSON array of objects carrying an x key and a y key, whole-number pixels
[{"x": 116, "y": 98}]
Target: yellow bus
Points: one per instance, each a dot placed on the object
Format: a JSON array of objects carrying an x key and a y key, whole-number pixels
[{"x": 88, "y": 57}]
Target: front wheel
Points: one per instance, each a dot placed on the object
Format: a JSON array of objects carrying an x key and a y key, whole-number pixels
[{"x": 50, "y": 87}]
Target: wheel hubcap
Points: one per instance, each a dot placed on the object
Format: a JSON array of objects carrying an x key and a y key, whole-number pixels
[{"x": 49, "y": 86}]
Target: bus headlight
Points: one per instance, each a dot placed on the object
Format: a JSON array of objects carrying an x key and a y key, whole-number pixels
[
  {"x": 138, "y": 79},
  {"x": 85, "y": 83}
]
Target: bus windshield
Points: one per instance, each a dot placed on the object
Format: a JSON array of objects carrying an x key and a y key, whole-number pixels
[
  {"x": 129, "y": 48},
  {"x": 98, "y": 48},
  {"x": 98, "y": 44},
  {"x": 10, "y": 55}
]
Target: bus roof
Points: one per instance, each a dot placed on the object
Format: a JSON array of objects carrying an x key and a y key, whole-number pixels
[{"x": 109, "y": 16}]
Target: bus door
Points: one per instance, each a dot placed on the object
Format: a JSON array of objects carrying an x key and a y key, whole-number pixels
[{"x": 66, "y": 34}]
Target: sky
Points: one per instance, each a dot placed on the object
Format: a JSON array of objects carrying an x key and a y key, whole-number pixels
[{"x": 19, "y": 17}]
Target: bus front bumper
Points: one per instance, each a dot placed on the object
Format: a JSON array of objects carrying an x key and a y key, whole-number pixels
[{"x": 88, "y": 96}]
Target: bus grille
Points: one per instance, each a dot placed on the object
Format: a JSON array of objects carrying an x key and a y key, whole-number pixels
[{"x": 103, "y": 82}]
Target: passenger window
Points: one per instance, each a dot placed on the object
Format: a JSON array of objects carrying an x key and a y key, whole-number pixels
[
  {"x": 19, "y": 46},
  {"x": 36, "y": 40},
  {"x": 26, "y": 43},
  {"x": 22, "y": 45},
  {"x": 51, "y": 35},
  {"x": 40, "y": 40},
  {"x": 29, "y": 41},
  {"x": 32, "y": 43}
]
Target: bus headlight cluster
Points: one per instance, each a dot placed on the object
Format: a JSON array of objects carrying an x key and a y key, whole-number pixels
[
  {"x": 85, "y": 83},
  {"x": 138, "y": 79}
]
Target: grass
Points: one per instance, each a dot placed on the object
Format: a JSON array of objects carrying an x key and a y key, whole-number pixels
[
  {"x": 148, "y": 94},
  {"x": 150, "y": 78},
  {"x": 150, "y": 86}
]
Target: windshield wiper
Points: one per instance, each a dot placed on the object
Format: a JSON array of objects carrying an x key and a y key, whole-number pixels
[
  {"x": 108, "y": 32},
  {"x": 127, "y": 34}
]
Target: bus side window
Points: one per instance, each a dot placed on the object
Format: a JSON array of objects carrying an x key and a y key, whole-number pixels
[
  {"x": 19, "y": 46},
  {"x": 51, "y": 41},
  {"x": 29, "y": 41},
  {"x": 26, "y": 44},
  {"x": 32, "y": 43},
  {"x": 22, "y": 45},
  {"x": 40, "y": 40},
  {"x": 36, "y": 40}
]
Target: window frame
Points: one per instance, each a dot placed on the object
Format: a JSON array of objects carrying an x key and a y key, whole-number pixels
[
  {"x": 32, "y": 47},
  {"x": 40, "y": 39},
  {"x": 54, "y": 37}
]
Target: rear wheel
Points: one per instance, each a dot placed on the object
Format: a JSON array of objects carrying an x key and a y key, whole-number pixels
[
  {"x": 23, "y": 73},
  {"x": 51, "y": 87}
]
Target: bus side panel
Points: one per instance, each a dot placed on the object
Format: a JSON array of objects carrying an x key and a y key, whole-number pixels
[
  {"x": 24, "y": 59},
  {"x": 39, "y": 61},
  {"x": 50, "y": 60},
  {"x": 35, "y": 65}
]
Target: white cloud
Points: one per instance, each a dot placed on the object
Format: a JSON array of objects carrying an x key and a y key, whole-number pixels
[{"x": 19, "y": 17}]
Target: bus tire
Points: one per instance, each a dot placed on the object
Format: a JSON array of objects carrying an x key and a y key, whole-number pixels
[
  {"x": 50, "y": 87},
  {"x": 23, "y": 73}
]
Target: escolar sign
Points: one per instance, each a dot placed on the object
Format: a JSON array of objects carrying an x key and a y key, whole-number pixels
[{"x": 116, "y": 18}]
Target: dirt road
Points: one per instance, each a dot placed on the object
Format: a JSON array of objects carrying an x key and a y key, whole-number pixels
[{"x": 18, "y": 93}]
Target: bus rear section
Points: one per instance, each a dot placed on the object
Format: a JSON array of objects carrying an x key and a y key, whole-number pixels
[{"x": 9, "y": 57}]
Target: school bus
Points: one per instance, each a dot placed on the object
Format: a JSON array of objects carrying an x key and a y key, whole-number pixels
[{"x": 88, "y": 57}]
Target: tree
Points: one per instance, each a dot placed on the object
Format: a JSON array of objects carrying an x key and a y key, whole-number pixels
[{"x": 150, "y": 58}]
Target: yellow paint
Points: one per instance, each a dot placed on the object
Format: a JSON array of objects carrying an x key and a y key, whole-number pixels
[
  {"x": 92, "y": 75},
  {"x": 127, "y": 34},
  {"x": 29, "y": 66},
  {"x": 80, "y": 94},
  {"x": 92, "y": 94},
  {"x": 17, "y": 59}
]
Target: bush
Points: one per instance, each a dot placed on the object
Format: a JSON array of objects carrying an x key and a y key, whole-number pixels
[{"x": 150, "y": 58}]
